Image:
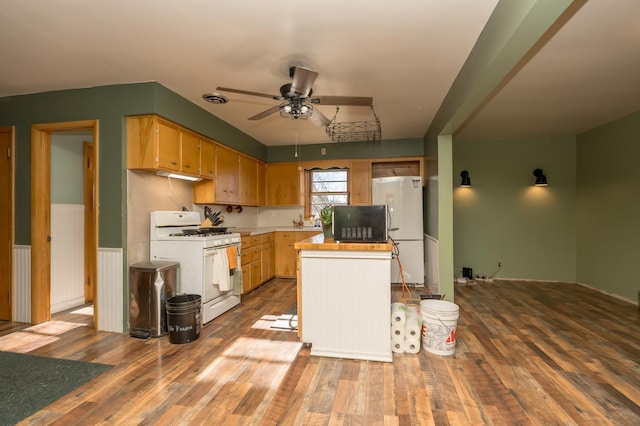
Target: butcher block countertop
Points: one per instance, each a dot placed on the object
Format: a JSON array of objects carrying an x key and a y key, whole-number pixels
[{"x": 318, "y": 242}]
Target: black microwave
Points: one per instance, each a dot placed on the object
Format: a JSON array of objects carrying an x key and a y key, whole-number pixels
[{"x": 356, "y": 224}]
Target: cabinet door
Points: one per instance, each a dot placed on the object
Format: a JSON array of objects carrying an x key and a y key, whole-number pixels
[
  {"x": 168, "y": 146},
  {"x": 228, "y": 174},
  {"x": 207, "y": 158},
  {"x": 283, "y": 184},
  {"x": 360, "y": 181},
  {"x": 248, "y": 181},
  {"x": 190, "y": 157},
  {"x": 260, "y": 184}
]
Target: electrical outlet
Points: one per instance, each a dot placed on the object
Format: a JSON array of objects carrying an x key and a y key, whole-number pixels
[{"x": 323, "y": 151}]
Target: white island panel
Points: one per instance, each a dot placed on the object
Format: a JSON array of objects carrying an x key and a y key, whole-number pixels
[{"x": 346, "y": 299}]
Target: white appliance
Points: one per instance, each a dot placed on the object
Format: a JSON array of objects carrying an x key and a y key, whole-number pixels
[
  {"x": 403, "y": 197},
  {"x": 203, "y": 255}
]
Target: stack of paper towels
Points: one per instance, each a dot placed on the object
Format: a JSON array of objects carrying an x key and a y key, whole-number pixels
[{"x": 405, "y": 328}]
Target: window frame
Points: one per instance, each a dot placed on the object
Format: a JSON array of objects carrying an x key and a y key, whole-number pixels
[{"x": 310, "y": 193}]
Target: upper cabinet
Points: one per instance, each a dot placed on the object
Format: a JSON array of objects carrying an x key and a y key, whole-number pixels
[
  {"x": 207, "y": 158},
  {"x": 235, "y": 181},
  {"x": 190, "y": 155},
  {"x": 283, "y": 185},
  {"x": 153, "y": 144},
  {"x": 248, "y": 181},
  {"x": 360, "y": 181},
  {"x": 227, "y": 189},
  {"x": 156, "y": 144}
]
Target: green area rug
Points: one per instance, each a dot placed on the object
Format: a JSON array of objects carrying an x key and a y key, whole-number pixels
[{"x": 30, "y": 383}]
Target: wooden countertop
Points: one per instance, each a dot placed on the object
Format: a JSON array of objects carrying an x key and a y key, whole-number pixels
[{"x": 317, "y": 242}]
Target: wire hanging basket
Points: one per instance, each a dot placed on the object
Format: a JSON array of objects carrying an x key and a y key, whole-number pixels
[{"x": 354, "y": 131}]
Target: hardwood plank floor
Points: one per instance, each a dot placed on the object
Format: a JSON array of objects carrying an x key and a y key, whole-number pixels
[{"x": 535, "y": 353}]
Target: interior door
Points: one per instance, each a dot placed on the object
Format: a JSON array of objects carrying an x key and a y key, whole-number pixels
[
  {"x": 90, "y": 243},
  {"x": 6, "y": 221}
]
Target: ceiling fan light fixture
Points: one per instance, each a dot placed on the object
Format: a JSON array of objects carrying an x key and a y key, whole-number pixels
[{"x": 296, "y": 111}]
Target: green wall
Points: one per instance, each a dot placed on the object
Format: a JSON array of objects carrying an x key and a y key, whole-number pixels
[
  {"x": 110, "y": 105},
  {"x": 504, "y": 218},
  {"x": 67, "y": 160},
  {"x": 378, "y": 149},
  {"x": 608, "y": 207}
]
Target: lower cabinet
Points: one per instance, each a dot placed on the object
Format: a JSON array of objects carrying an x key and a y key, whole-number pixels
[
  {"x": 286, "y": 256},
  {"x": 257, "y": 260}
]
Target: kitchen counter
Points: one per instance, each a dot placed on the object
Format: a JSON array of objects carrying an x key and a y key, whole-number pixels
[
  {"x": 344, "y": 298},
  {"x": 318, "y": 242},
  {"x": 258, "y": 230}
]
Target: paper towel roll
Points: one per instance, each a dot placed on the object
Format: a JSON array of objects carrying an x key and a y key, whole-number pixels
[
  {"x": 398, "y": 313},
  {"x": 412, "y": 346},
  {"x": 398, "y": 345},
  {"x": 398, "y": 332},
  {"x": 412, "y": 325}
]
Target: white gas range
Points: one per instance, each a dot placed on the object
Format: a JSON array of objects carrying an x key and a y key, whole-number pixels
[{"x": 209, "y": 258}]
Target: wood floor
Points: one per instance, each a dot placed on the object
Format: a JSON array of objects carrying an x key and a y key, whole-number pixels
[{"x": 527, "y": 353}]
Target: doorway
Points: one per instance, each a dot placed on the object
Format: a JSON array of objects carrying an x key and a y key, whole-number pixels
[
  {"x": 41, "y": 215},
  {"x": 6, "y": 222}
]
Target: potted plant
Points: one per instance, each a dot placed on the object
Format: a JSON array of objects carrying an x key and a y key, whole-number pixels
[{"x": 326, "y": 218}]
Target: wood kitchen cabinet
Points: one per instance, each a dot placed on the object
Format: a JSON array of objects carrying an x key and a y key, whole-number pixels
[
  {"x": 286, "y": 256},
  {"x": 268, "y": 258},
  {"x": 360, "y": 182},
  {"x": 207, "y": 158},
  {"x": 283, "y": 184},
  {"x": 248, "y": 181},
  {"x": 153, "y": 144},
  {"x": 228, "y": 176},
  {"x": 257, "y": 260},
  {"x": 190, "y": 153},
  {"x": 260, "y": 184}
]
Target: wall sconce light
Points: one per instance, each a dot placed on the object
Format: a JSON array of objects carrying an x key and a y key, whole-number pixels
[
  {"x": 466, "y": 180},
  {"x": 541, "y": 179}
]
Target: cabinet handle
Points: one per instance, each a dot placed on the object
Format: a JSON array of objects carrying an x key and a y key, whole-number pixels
[
  {"x": 186, "y": 166},
  {"x": 174, "y": 163}
]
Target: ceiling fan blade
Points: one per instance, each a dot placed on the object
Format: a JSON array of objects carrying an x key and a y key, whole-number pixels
[
  {"x": 303, "y": 79},
  {"x": 246, "y": 92},
  {"x": 318, "y": 118},
  {"x": 342, "y": 100},
  {"x": 266, "y": 113}
]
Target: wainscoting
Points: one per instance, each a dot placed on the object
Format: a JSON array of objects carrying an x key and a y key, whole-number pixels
[{"x": 110, "y": 287}]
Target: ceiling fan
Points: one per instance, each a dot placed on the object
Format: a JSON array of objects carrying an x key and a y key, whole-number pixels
[{"x": 297, "y": 100}]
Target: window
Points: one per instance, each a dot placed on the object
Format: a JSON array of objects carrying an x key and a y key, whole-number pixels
[{"x": 327, "y": 187}]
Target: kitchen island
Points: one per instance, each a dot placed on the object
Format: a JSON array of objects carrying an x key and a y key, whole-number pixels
[{"x": 344, "y": 298}]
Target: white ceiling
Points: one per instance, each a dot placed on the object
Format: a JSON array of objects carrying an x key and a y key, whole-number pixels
[{"x": 405, "y": 55}]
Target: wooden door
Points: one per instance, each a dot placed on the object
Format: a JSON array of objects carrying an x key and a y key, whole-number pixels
[
  {"x": 6, "y": 221},
  {"x": 90, "y": 243},
  {"x": 41, "y": 215}
]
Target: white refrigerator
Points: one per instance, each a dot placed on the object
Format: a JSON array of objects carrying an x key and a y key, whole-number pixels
[{"x": 403, "y": 196}]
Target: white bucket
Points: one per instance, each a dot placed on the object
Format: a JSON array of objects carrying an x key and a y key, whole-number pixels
[{"x": 439, "y": 323}]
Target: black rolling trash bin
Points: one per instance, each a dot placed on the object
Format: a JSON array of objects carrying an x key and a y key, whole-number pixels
[{"x": 183, "y": 318}]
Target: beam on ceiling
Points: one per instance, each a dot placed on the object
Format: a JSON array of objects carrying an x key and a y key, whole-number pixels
[{"x": 514, "y": 33}]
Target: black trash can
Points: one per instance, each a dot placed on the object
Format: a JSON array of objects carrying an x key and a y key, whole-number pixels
[{"x": 183, "y": 317}]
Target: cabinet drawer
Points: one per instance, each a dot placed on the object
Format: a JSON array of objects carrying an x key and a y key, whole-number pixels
[
  {"x": 246, "y": 256},
  {"x": 267, "y": 238},
  {"x": 255, "y": 253}
]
